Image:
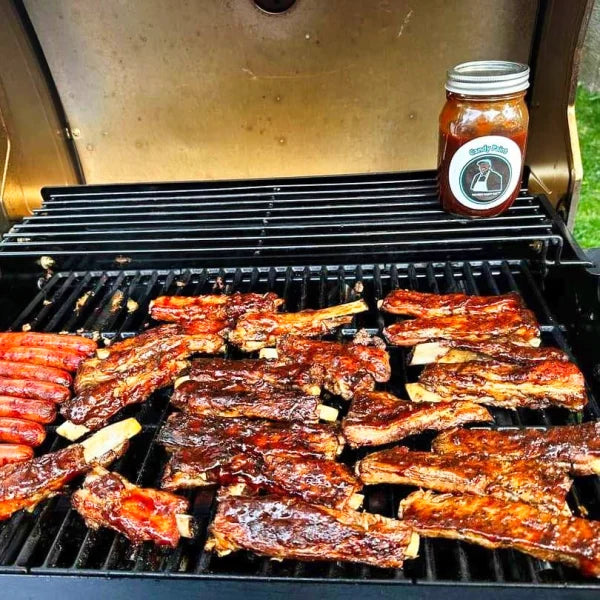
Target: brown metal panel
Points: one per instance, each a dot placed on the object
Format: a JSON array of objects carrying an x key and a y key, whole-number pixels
[
  {"x": 553, "y": 151},
  {"x": 211, "y": 89},
  {"x": 33, "y": 149}
]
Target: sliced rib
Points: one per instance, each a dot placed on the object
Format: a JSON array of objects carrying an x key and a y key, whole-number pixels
[
  {"x": 537, "y": 385},
  {"x": 525, "y": 480},
  {"x": 494, "y": 523},
  {"x": 377, "y": 418},
  {"x": 289, "y": 528},
  {"x": 141, "y": 514},
  {"x": 519, "y": 326},
  {"x": 423, "y": 304},
  {"x": 573, "y": 447}
]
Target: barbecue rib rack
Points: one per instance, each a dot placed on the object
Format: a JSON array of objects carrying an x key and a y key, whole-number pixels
[{"x": 92, "y": 258}]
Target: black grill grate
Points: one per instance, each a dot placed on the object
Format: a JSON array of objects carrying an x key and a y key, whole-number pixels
[
  {"x": 54, "y": 540},
  {"x": 384, "y": 218}
]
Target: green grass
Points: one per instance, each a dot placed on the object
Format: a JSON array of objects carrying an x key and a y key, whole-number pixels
[{"x": 587, "y": 220}]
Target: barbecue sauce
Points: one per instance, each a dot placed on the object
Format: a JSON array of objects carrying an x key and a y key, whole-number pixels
[{"x": 483, "y": 136}]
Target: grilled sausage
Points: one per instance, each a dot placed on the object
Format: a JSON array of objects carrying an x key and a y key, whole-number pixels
[
  {"x": 46, "y": 357},
  {"x": 39, "y": 390},
  {"x": 14, "y": 453},
  {"x": 19, "y": 370},
  {"x": 75, "y": 343},
  {"x": 40, "y": 411},
  {"x": 20, "y": 431}
]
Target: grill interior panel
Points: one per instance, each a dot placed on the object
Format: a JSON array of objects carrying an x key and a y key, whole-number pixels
[{"x": 53, "y": 539}]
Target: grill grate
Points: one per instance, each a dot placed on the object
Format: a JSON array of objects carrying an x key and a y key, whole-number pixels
[
  {"x": 284, "y": 221},
  {"x": 53, "y": 539}
]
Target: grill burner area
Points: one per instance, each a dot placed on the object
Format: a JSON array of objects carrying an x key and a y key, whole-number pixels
[{"x": 54, "y": 540}]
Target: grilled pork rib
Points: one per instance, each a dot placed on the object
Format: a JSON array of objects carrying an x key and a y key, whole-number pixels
[
  {"x": 423, "y": 304},
  {"x": 538, "y": 385},
  {"x": 449, "y": 351},
  {"x": 250, "y": 374},
  {"x": 219, "y": 311},
  {"x": 141, "y": 514},
  {"x": 377, "y": 418},
  {"x": 182, "y": 430},
  {"x": 131, "y": 354},
  {"x": 518, "y": 326},
  {"x": 313, "y": 479},
  {"x": 342, "y": 369},
  {"x": 288, "y": 528},
  {"x": 494, "y": 523},
  {"x": 259, "y": 330},
  {"x": 524, "y": 480},
  {"x": 573, "y": 447},
  {"x": 264, "y": 402},
  {"x": 23, "y": 485},
  {"x": 95, "y": 405}
]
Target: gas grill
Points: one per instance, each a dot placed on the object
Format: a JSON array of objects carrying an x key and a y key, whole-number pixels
[
  {"x": 80, "y": 260},
  {"x": 246, "y": 96}
]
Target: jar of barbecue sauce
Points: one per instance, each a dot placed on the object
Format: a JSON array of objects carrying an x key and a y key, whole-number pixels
[{"x": 483, "y": 135}]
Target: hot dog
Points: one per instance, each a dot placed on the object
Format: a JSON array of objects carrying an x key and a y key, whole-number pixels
[
  {"x": 19, "y": 370},
  {"x": 75, "y": 343},
  {"x": 39, "y": 390},
  {"x": 68, "y": 360},
  {"x": 20, "y": 431},
  {"x": 40, "y": 411},
  {"x": 13, "y": 453}
]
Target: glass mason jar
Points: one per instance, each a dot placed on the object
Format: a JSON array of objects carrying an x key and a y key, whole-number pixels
[{"x": 483, "y": 136}]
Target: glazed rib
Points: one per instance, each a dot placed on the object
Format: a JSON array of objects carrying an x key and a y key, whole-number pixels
[
  {"x": 313, "y": 479},
  {"x": 537, "y": 385},
  {"x": 342, "y": 369},
  {"x": 288, "y": 528},
  {"x": 449, "y": 351},
  {"x": 494, "y": 523},
  {"x": 573, "y": 447},
  {"x": 24, "y": 484},
  {"x": 265, "y": 402},
  {"x": 212, "y": 307},
  {"x": 141, "y": 514},
  {"x": 377, "y": 418},
  {"x": 258, "y": 330},
  {"x": 519, "y": 326},
  {"x": 422, "y": 304},
  {"x": 95, "y": 405},
  {"x": 129, "y": 355},
  {"x": 182, "y": 430},
  {"x": 525, "y": 480},
  {"x": 250, "y": 374}
]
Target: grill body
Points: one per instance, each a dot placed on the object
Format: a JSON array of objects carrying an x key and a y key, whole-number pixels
[{"x": 85, "y": 283}]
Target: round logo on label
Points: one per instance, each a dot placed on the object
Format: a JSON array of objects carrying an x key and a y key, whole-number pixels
[{"x": 485, "y": 171}]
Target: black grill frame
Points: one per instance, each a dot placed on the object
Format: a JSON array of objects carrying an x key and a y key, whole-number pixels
[{"x": 51, "y": 547}]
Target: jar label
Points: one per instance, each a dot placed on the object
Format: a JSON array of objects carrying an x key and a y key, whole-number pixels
[{"x": 485, "y": 171}]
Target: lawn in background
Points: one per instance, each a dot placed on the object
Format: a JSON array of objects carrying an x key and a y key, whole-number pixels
[{"x": 587, "y": 220}]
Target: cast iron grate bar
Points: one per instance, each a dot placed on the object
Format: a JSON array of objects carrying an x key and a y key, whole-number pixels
[
  {"x": 53, "y": 539},
  {"x": 278, "y": 222}
]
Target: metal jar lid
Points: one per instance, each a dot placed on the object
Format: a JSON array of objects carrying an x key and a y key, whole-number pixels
[{"x": 488, "y": 78}]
